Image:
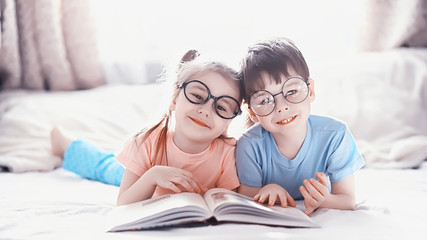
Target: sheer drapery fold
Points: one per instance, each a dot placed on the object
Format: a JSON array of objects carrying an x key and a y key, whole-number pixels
[{"x": 49, "y": 45}]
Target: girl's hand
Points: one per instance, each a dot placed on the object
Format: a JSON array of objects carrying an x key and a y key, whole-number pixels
[
  {"x": 272, "y": 193},
  {"x": 315, "y": 192},
  {"x": 175, "y": 179}
]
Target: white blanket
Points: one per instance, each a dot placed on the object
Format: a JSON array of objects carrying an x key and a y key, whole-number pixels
[
  {"x": 106, "y": 116},
  {"x": 382, "y": 96},
  {"x": 60, "y": 205}
]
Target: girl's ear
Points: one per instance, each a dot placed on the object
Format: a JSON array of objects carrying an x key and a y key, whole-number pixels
[
  {"x": 312, "y": 94},
  {"x": 172, "y": 105},
  {"x": 252, "y": 115}
]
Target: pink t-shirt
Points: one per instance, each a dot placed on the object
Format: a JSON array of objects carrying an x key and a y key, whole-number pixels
[{"x": 213, "y": 168}]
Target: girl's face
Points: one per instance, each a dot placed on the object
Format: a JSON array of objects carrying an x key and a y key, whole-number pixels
[
  {"x": 287, "y": 118},
  {"x": 200, "y": 124}
]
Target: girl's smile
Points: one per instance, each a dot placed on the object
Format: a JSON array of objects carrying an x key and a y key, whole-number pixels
[{"x": 199, "y": 122}]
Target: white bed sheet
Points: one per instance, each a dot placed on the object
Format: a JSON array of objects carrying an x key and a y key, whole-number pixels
[{"x": 61, "y": 205}]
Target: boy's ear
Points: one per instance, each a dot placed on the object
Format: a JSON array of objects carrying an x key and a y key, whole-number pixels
[
  {"x": 252, "y": 115},
  {"x": 312, "y": 94}
]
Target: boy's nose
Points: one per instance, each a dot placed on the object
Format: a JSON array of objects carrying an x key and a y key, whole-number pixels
[{"x": 281, "y": 104}]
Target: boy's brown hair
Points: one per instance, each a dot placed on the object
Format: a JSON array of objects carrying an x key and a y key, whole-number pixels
[{"x": 277, "y": 57}]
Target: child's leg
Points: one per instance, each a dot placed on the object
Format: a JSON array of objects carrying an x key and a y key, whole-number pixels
[
  {"x": 92, "y": 163},
  {"x": 86, "y": 159},
  {"x": 59, "y": 142}
]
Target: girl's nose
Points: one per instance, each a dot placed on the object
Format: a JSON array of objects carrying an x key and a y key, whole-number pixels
[{"x": 206, "y": 108}]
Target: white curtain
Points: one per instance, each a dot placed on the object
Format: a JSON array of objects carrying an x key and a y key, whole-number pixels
[
  {"x": 133, "y": 33},
  {"x": 49, "y": 45}
]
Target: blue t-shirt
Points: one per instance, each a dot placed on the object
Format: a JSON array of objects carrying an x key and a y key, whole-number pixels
[{"x": 328, "y": 147}]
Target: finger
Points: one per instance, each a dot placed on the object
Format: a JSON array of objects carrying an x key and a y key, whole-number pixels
[
  {"x": 183, "y": 182},
  {"x": 322, "y": 178},
  {"x": 308, "y": 210},
  {"x": 173, "y": 187},
  {"x": 202, "y": 188},
  {"x": 272, "y": 200},
  {"x": 185, "y": 173},
  {"x": 309, "y": 186},
  {"x": 283, "y": 199},
  {"x": 314, "y": 192},
  {"x": 309, "y": 201},
  {"x": 263, "y": 197},
  {"x": 290, "y": 200},
  {"x": 194, "y": 184},
  {"x": 304, "y": 193},
  {"x": 322, "y": 189},
  {"x": 256, "y": 197}
]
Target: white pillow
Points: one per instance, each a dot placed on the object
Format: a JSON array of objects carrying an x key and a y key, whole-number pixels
[
  {"x": 106, "y": 116},
  {"x": 382, "y": 96}
]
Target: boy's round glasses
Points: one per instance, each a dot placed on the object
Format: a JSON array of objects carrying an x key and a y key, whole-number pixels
[
  {"x": 197, "y": 92},
  {"x": 294, "y": 90}
]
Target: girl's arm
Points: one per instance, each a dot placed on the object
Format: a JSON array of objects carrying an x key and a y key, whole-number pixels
[
  {"x": 134, "y": 188},
  {"x": 316, "y": 193}
]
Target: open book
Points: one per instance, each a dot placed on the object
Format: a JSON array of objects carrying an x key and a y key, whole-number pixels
[{"x": 217, "y": 205}]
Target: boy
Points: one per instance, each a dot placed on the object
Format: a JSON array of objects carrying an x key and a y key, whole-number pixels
[{"x": 278, "y": 158}]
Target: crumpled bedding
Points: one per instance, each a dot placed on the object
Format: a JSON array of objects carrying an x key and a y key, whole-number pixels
[
  {"x": 382, "y": 96},
  {"x": 106, "y": 116},
  {"x": 61, "y": 205}
]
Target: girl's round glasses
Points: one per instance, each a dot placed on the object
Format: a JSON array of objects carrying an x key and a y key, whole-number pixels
[
  {"x": 197, "y": 92},
  {"x": 294, "y": 90}
]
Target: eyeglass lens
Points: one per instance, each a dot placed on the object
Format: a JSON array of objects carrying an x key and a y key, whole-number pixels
[
  {"x": 294, "y": 90},
  {"x": 198, "y": 93}
]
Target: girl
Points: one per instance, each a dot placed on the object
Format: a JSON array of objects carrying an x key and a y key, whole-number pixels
[{"x": 195, "y": 154}]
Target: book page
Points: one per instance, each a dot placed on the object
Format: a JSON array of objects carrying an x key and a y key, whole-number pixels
[
  {"x": 160, "y": 211},
  {"x": 218, "y": 196},
  {"x": 234, "y": 207}
]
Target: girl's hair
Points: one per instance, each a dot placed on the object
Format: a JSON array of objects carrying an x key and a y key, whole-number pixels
[
  {"x": 277, "y": 57},
  {"x": 188, "y": 67}
]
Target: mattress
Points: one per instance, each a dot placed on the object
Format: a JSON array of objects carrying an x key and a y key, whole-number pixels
[{"x": 382, "y": 97}]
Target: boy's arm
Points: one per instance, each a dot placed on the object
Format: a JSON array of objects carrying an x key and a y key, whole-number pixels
[
  {"x": 343, "y": 196},
  {"x": 316, "y": 193},
  {"x": 270, "y": 193},
  {"x": 248, "y": 190}
]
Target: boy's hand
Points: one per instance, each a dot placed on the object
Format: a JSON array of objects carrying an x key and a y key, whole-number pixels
[
  {"x": 315, "y": 192},
  {"x": 175, "y": 179},
  {"x": 272, "y": 193}
]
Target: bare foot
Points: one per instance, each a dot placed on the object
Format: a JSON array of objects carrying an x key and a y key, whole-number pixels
[{"x": 59, "y": 142}]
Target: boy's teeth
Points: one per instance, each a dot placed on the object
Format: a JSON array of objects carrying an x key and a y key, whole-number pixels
[{"x": 286, "y": 120}]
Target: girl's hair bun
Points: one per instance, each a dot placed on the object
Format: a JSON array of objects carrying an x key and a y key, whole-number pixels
[{"x": 190, "y": 55}]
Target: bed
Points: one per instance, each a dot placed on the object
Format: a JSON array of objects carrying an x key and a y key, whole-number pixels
[{"x": 381, "y": 95}]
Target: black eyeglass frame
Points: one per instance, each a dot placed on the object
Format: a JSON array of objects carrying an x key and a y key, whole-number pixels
[
  {"x": 283, "y": 94},
  {"x": 184, "y": 85}
]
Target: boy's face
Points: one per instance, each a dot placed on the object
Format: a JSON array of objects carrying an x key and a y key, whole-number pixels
[{"x": 287, "y": 118}]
